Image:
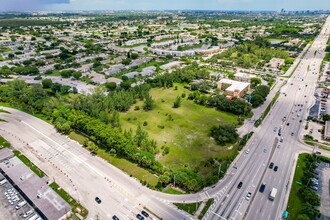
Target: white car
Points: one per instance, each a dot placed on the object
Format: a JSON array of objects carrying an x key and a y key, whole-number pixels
[
  {"x": 247, "y": 151},
  {"x": 248, "y": 196}
]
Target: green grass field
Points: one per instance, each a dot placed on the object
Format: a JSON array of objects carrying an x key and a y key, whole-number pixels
[
  {"x": 187, "y": 135},
  {"x": 295, "y": 202}
]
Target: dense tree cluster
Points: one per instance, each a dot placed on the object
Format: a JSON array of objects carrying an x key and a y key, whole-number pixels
[
  {"x": 224, "y": 134},
  {"x": 309, "y": 198},
  {"x": 184, "y": 75},
  {"x": 259, "y": 95},
  {"x": 235, "y": 106}
]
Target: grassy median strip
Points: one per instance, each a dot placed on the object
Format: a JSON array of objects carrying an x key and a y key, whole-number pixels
[
  {"x": 29, "y": 164},
  {"x": 4, "y": 111},
  {"x": 264, "y": 114},
  {"x": 191, "y": 208},
  {"x": 77, "y": 208},
  {"x": 206, "y": 207},
  {"x": 4, "y": 143}
]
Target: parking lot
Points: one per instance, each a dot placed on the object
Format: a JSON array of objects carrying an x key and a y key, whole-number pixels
[
  {"x": 12, "y": 204},
  {"x": 324, "y": 191}
]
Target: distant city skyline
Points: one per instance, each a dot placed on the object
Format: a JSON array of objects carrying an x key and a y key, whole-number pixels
[{"x": 269, "y": 5}]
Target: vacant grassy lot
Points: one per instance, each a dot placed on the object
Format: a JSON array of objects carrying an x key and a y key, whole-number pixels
[
  {"x": 185, "y": 130},
  {"x": 295, "y": 202}
]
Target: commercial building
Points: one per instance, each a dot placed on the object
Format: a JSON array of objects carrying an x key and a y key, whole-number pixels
[
  {"x": 35, "y": 190},
  {"x": 245, "y": 77},
  {"x": 234, "y": 88}
]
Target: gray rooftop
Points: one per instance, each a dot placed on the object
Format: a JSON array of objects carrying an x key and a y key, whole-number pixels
[
  {"x": 6, "y": 153},
  {"x": 52, "y": 206}
]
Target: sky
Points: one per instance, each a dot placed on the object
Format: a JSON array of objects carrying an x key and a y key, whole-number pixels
[{"x": 59, "y": 5}]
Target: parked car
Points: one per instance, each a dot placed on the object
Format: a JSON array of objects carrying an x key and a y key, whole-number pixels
[
  {"x": 145, "y": 213},
  {"x": 115, "y": 217},
  {"x": 271, "y": 165},
  {"x": 140, "y": 217}
]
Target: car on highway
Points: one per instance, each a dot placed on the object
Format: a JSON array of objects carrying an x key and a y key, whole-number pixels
[
  {"x": 146, "y": 214},
  {"x": 262, "y": 187},
  {"x": 248, "y": 196},
  {"x": 275, "y": 168},
  {"x": 115, "y": 217},
  {"x": 98, "y": 200},
  {"x": 140, "y": 217},
  {"x": 271, "y": 165},
  {"x": 240, "y": 185}
]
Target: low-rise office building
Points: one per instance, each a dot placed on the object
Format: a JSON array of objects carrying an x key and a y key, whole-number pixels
[
  {"x": 35, "y": 190},
  {"x": 234, "y": 88}
]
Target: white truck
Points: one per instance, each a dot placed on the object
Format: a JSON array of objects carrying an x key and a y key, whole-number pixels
[{"x": 272, "y": 194}]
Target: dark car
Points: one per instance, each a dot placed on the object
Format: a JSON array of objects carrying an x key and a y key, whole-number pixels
[
  {"x": 145, "y": 213},
  {"x": 288, "y": 124},
  {"x": 98, "y": 200},
  {"x": 275, "y": 168},
  {"x": 262, "y": 187},
  {"x": 140, "y": 217},
  {"x": 115, "y": 217},
  {"x": 271, "y": 165},
  {"x": 240, "y": 185}
]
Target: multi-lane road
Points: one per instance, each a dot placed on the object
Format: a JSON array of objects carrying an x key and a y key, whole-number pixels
[
  {"x": 85, "y": 176},
  {"x": 289, "y": 114}
]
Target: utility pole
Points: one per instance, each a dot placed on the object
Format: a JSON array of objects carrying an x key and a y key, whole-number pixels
[{"x": 219, "y": 170}]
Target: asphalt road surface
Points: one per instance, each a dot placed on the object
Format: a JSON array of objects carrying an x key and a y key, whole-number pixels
[{"x": 288, "y": 113}]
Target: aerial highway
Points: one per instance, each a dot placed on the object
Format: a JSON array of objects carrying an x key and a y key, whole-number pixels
[{"x": 85, "y": 176}]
